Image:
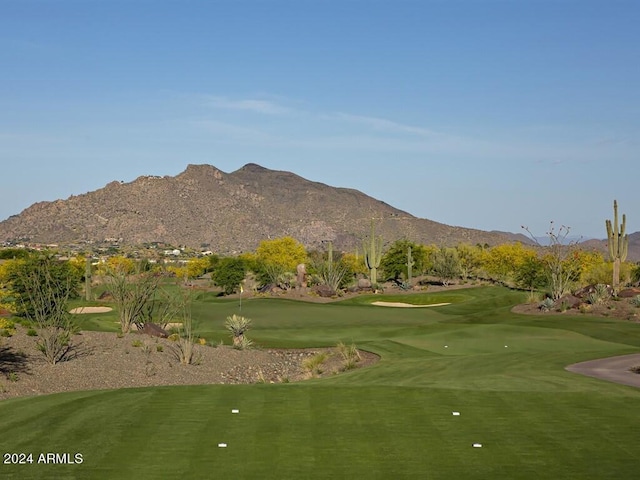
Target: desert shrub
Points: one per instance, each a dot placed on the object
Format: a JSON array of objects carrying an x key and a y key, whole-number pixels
[
  {"x": 47, "y": 287},
  {"x": 238, "y": 326},
  {"x": 133, "y": 295},
  {"x": 314, "y": 364},
  {"x": 349, "y": 354},
  {"x": 159, "y": 348},
  {"x": 584, "y": 308},
  {"x": 547, "y": 304},
  {"x": 7, "y": 327},
  {"x": 136, "y": 343},
  {"x": 6, "y": 323},
  {"x": 32, "y": 333},
  {"x": 564, "y": 306},
  {"x": 635, "y": 301},
  {"x": 534, "y": 297},
  {"x": 184, "y": 344},
  {"x": 54, "y": 343}
]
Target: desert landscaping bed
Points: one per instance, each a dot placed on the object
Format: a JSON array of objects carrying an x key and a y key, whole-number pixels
[{"x": 101, "y": 360}]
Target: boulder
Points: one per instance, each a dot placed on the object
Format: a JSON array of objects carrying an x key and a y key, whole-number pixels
[
  {"x": 106, "y": 295},
  {"x": 570, "y": 301},
  {"x": 324, "y": 291},
  {"x": 629, "y": 292},
  {"x": 154, "y": 330},
  {"x": 364, "y": 283}
]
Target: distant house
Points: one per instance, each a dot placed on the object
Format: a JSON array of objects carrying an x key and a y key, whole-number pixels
[{"x": 175, "y": 252}]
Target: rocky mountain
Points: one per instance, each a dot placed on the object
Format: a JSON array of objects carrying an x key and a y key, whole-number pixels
[{"x": 227, "y": 213}]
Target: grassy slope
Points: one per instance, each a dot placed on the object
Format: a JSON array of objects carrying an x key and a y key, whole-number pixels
[{"x": 393, "y": 420}]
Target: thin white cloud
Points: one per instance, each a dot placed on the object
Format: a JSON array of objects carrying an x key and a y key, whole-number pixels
[
  {"x": 231, "y": 131},
  {"x": 249, "y": 105},
  {"x": 382, "y": 124}
]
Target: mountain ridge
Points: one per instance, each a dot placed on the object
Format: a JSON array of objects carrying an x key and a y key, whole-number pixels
[{"x": 229, "y": 213}]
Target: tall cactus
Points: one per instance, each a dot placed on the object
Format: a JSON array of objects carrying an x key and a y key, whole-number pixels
[
  {"x": 618, "y": 243},
  {"x": 372, "y": 254},
  {"x": 410, "y": 264},
  {"x": 88, "y": 278}
]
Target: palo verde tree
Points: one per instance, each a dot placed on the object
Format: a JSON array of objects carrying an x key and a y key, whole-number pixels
[
  {"x": 618, "y": 242},
  {"x": 470, "y": 257},
  {"x": 502, "y": 262},
  {"x": 277, "y": 259}
]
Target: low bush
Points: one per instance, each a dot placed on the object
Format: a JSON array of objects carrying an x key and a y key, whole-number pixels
[
  {"x": 349, "y": 354},
  {"x": 314, "y": 364}
]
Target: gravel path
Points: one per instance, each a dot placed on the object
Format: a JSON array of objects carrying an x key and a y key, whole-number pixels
[
  {"x": 103, "y": 360},
  {"x": 612, "y": 369}
]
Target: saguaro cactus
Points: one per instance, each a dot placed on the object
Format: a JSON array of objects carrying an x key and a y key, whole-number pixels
[
  {"x": 372, "y": 254},
  {"x": 88, "y": 278},
  {"x": 410, "y": 263},
  {"x": 618, "y": 243}
]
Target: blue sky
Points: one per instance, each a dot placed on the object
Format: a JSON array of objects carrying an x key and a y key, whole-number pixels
[{"x": 477, "y": 113}]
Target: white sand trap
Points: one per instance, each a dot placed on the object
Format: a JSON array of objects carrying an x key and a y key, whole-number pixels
[
  {"x": 406, "y": 305},
  {"x": 91, "y": 310}
]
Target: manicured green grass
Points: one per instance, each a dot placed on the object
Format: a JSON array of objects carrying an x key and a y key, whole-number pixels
[{"x": 503, "y": 372}]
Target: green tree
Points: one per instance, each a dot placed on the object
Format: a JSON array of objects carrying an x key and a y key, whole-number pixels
[
  {"x": 531, "y": 274},
  {"x": 394, "y": 260},
  {"x": 14, "y": 253},
  {"x": 445, "y": 264},
  {"x": 229, "y": 274}
]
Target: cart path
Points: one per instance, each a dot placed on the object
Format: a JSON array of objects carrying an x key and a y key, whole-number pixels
[{"x": 612, "y": 369}]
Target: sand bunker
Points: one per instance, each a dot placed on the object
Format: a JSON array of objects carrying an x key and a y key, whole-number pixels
[
  {"x": 406, "y": 305},
  {"x": 91, "y": 310}
]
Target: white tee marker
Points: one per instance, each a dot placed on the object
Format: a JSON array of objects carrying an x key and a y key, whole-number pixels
[
  {"x": 235, "y": 410},
  {"x": 222, "y": 445}
]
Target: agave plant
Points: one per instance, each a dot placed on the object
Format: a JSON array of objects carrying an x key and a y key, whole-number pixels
[
  {"x": 600, "y": 295},
  {"x": 547, "y": 304}
]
